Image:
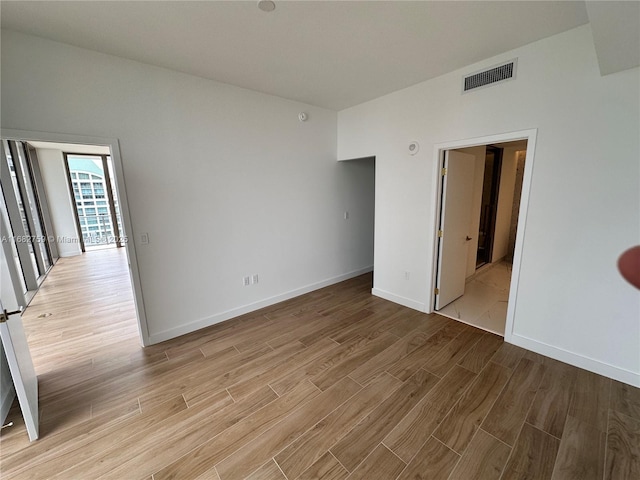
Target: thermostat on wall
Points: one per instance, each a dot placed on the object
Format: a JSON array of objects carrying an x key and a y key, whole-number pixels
[{"x": 413, "y": 148}]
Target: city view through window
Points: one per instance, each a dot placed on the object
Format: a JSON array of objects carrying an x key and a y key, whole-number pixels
[{"x": 92, "y": 200}]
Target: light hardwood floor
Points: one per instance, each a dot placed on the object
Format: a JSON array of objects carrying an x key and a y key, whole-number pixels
[{"x": 335, "y": 384}]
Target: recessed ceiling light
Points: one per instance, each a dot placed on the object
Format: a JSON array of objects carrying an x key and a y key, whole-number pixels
[{"x": 266, "y": 5}]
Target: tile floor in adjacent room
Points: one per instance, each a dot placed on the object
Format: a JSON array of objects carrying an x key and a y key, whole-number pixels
[{"x": 484, "y": 303}]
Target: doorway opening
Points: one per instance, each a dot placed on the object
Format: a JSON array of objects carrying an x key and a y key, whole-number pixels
[
  {"x": 50, "y": 156},
  {"x": 478, "y": 242},
  {"x": 358, "y": 197},
  {"x": 489, "y": 207}
]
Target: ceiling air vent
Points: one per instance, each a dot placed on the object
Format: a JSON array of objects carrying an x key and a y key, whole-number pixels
[{"x": 500, "y": 73}]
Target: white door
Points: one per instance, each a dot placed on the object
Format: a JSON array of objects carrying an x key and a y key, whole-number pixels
[
  {"x": 16, "y": 349},
  {"x": 455, "y": 219}
]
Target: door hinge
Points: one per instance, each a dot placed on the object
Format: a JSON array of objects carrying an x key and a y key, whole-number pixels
[
  {"x": 444, "y": 172},
  {"x": 440, "y": 233},
  {"x": 436, "y": 291}
]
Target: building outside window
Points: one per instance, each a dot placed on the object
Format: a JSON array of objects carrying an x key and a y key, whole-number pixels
[{"x": 89, "y": 187}]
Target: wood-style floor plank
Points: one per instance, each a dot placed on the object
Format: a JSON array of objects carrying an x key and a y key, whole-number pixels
[
  {"x": 85, "y": 453},
  {"x": 363, "y": 351},
  {"x": 623, "y": 447},
  {"x": 590, "y": 399},
  {"x": 407, "y": 344},
  {"x": 381, "y": 463},
  {"x": 326, "y": 467},
  {"x": 508, "y": 355},
  {"x": 625, "y": 399},
  {"x": 582, "y": 452},
  {"x": 259, "y": 363},
  {"x": 510, "y": 410},
  {"x": 551, "y": 403},
  {"x": 295, "y": 361},
  {"x": 187, "y": 434},
  {"x": 269, "y": 471},
  {"x": 533, "y": 456},
  {"x": 333, "y": 357},
  {"x": 211, "y": 452},
  {"x": 434, "y": 461},
  {"x": 307, "y": 325},
  {"x": 416, "y": 427},
  {"x": 358, "y": 443},
  {"x": 241, "y": 397},
  {"x": 481, "y": 353},
  {"x": 411, "y": 363},
  {"x": 250, "y": 456},
  {"x": 305, "y": 450},
  {"x": 484, "y": 459},
  {"x": 54, "y": 445},
  {"x": 336, "y": 327},
  {"x": 443, "y": 361},
  {"x": 460, "y": 425}
]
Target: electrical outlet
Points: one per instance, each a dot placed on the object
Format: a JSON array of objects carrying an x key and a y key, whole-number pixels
[
  {"x": 246, "y": 281},
  {"x": 254, "y": 279},
  {"x": 144, "y": 239},
  {"x": 346, "y": 215}
]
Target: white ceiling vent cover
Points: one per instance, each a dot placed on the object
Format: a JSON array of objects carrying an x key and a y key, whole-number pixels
[{"x": 498, "y": 74}]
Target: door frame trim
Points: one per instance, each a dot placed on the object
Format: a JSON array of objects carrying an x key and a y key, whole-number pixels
[
  {"x": 114, "y": 147},
  {"x": 436, "y": 189}
]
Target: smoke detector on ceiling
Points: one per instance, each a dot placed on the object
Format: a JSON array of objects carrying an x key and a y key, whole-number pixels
[{"x": 266, "y": 5}]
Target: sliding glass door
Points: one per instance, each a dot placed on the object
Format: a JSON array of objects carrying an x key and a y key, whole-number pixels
[{"x": 24, "y": 216}]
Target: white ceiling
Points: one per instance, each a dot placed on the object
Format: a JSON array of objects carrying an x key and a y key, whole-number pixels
[
  {"x": 333, "y": 54},
  {"x": 616, "y": 34}
]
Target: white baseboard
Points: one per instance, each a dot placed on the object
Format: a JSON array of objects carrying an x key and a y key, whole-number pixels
[
  {"x": 7, "y": 401},
  {"x": 73, "y": 253},
  {"x": 229, "y": 314},
  {"x": 580, "y": 361},
  {"x": 406, "y": 302}
]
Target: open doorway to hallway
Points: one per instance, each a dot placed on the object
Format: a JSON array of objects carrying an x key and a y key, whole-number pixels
[
  {"x": 357, "y": 191},
  {"x": 40, "y": 233},
  {"x": 482, "y": 197},
  {"x": 61, "y": 230}
]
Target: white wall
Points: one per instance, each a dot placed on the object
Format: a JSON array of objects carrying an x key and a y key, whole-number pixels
[
  {"x": 505, "y": 203},
  {"x": 583, "y": 208},
  {"x": 227, "y": 182},
  {"x": 54, "y": 177}
]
